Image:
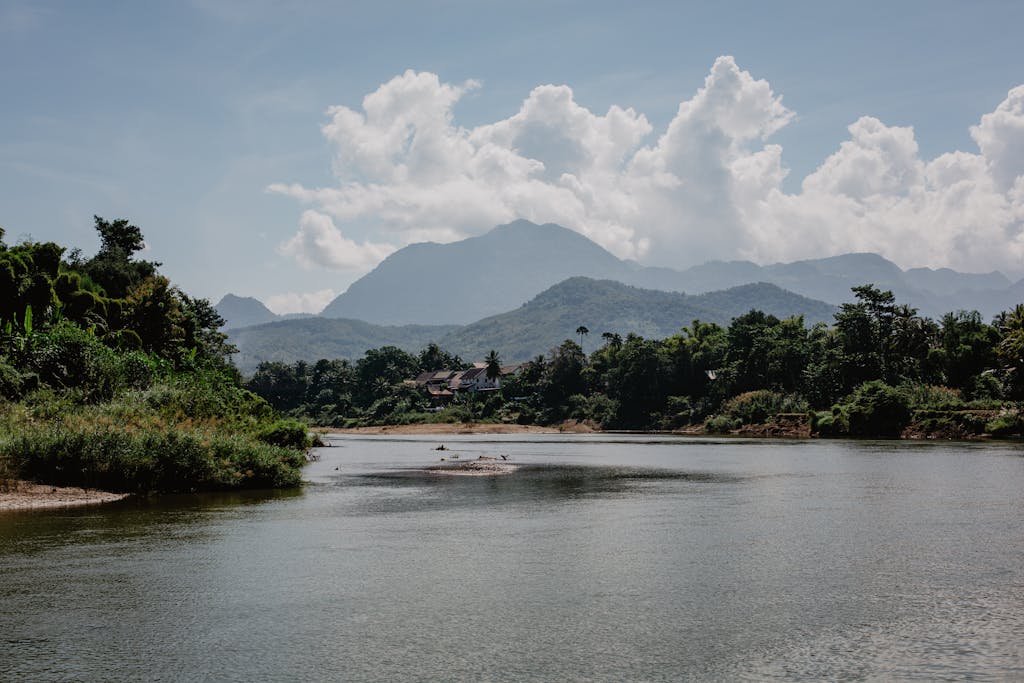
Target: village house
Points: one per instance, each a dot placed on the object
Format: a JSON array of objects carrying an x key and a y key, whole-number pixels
[{"x": 441, "y": 386}]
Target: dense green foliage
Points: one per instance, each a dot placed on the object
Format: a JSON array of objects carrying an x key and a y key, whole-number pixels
[
  {"x": 333, "y": 392},
  {"x": 879, "y": 369},
  {"x": 112, "y": 377}
]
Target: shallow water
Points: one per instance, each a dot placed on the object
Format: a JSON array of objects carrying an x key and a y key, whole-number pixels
[{"x": 602, "y": 557}]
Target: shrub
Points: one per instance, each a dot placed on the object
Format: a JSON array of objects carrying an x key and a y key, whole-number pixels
[
  {"x": 69, "y": 357},
  {"x": 722, "y": 424},
  {"x": 137, "y": 370},
  {"x": 986, "y": 388},
  {"x": 755, "y": 407},
  {"x": 10, "y": 381},
  {"x": 834, "y": 423},
  {"x": 932, "y": 397},
  {"x": 876, "y": 409},
  {"x": 679, "y": 411},
  {"x": 1006, "y": 424},
  {"x": 207, "y": 396},
  {"x": 286, "y": 433},
  {"x": 527, "y": 415}
]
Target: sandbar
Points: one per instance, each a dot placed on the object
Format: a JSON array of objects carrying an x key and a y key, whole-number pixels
[
  {"x": 24, "y": 495},
  {"x": 474, "y": 468}
]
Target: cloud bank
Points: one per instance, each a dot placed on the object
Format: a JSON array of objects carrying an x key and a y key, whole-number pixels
[
  {"x": 306, "y": 302},
  {"x": 708, "y": 186}
]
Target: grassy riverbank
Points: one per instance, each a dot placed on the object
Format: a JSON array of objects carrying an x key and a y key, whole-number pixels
[{"x": 145, "y": 441}]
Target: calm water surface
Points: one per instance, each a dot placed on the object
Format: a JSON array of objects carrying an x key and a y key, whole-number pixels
[{"x": 601, "y": 558}]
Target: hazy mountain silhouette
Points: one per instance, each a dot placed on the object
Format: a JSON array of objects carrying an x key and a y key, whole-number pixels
[
  {"x": 243, "y": 311},
  {"x": 464, "y": 281}
]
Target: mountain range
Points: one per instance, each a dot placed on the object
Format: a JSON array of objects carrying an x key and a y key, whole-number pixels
[
  {"x": 463, "y": 281},
  {"x": 460, "y": 293},
  {"x": 460, "y": 282}
]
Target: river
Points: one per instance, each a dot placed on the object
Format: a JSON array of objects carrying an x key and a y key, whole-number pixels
[{"x": 601, "y": 557}]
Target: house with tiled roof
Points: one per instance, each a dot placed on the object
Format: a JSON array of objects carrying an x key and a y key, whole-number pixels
[{"x": 442, "y": 385}]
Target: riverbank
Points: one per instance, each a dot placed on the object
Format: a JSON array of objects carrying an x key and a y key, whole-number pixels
[
  {"x": 444, "y": 428},
  {"x": 25, "y": 495},
  {"x": 790, "y": 426}
]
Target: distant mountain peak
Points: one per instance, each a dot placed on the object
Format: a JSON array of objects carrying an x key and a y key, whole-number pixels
[
  {"x": 463, "y": 281},
  {"x": 243, "y": 311}
]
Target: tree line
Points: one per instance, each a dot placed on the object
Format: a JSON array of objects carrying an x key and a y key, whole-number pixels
[{"x": 876, "y": 368}]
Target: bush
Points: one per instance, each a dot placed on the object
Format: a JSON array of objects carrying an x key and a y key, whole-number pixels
[
  {"x": 207, "y": 396},
  {"x": 828, "y": 423},
  {"x": 1007, "y": 424},
  {"x": 755, "y": 407},
  {"x": 679, "y": 411},
  {"x": 69, "y": 357},
  {"x": 286, "y": 433},
  {"x": 932, "y": 397},
  {"x": 722, "y": 424},
  {"x": 10, "y": 382},
  {"x": 876, "y": 409},
  {"x": 526, "y": 416}
]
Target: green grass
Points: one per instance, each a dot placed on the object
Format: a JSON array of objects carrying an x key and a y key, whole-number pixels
[{"x": 168, "y": 438}]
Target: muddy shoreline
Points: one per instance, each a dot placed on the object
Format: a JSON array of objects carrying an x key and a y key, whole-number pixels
[{"x": 26, "y": 495}]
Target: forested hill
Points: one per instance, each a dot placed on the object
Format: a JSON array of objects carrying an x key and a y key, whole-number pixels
[
  {"x": 531, "y": 329},
  {"x": 605, "y": 306}
]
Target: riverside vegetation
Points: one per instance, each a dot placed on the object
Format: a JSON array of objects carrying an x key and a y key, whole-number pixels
[
  {"x": 111, "y": 377},
  {"x": 878, "y": 370}
]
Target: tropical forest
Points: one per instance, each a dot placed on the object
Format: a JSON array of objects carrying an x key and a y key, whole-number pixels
[{"x": 113, "y": 378}]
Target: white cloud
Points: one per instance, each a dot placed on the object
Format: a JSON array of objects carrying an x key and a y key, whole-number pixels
[
  {"x": 293, "y": 302},
  {"x": 709, "y": 186},
  {"x": 1000, "y": 136},
  {"x": 319, "y": 243}
]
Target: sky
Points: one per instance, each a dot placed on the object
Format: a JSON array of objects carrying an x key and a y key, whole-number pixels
[{"x": 281, "y": 149}]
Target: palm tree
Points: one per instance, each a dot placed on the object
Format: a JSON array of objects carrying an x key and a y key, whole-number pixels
[
  {"x": 612, "y": 339},
  {"x": 582, "y": 331},
  {"x": 493, "y": 365}
]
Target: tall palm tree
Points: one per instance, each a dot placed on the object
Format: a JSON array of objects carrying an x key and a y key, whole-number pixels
[{"x": 582, "y": 331}]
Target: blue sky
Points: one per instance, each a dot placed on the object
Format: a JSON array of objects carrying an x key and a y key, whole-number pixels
[{"x": 180, "y": 116}]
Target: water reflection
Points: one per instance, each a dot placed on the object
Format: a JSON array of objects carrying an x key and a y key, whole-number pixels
[
  {"x": 166, "y": 519},
  {"x": 422, "y": 489},
  {"x": 600, "y": 558}
]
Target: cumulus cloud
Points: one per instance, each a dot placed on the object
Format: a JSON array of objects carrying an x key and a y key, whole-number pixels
[
  {"x": 295, "y": 302},
  {"x": 319, "y": 243},
  {"x": 708, "y": 186}
]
